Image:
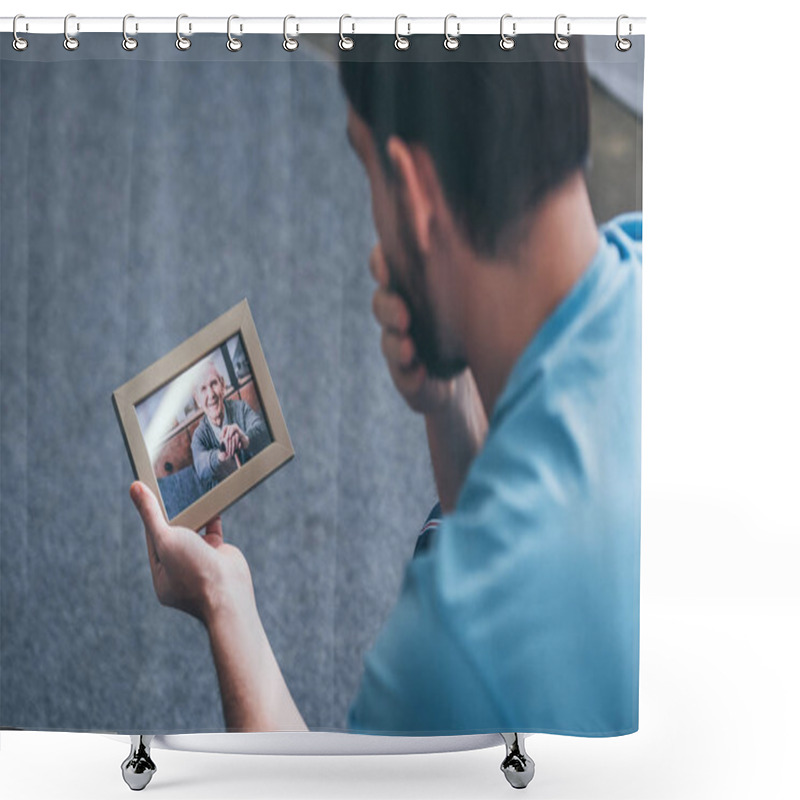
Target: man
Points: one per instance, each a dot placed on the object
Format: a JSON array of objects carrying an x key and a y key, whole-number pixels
[
  {"x": 229, "y": 433},
  {"x": 513, "y": 325}
]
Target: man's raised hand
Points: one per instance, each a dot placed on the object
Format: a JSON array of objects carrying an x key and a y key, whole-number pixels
[{"x": 422, "y": 393}]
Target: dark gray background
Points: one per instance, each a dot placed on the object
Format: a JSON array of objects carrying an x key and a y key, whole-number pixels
[{"x": 143, "y": 194}]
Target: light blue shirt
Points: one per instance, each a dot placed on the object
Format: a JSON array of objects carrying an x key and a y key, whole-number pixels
[{"x": 522, "y": 612}]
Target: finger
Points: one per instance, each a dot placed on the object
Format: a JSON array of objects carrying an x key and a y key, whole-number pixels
[
  {"x": 214, "y": 535},
  {"x": 409, "y": 381},
  {"x": 398, "y": 350},
  {"x": 139, "y": 494},
  {"x": 378, "y": 266},
  {"x": 390, "y": 310},
  {"x": 149, "y": 510}
]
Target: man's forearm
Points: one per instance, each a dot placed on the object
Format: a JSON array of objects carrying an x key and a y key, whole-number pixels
[
  {"x": 255, "y": 696},
  {"x": 456, "y": 432}
]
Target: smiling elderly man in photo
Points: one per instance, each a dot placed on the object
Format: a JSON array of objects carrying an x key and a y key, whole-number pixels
[{"x": 229, "y": 433}]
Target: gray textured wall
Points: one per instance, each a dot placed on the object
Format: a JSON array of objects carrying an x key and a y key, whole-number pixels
[{"x": 140, "y": 199}]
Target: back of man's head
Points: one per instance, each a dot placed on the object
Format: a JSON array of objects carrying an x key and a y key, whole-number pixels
[{"x": 503, "y": 127}]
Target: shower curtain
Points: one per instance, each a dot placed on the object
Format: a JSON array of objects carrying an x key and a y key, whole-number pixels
[{"x": 145, "y": 193}]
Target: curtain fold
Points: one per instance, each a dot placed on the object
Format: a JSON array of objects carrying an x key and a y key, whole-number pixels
[{"x": 143, "y": 194}]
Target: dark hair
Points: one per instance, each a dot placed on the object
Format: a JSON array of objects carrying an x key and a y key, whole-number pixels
[{"x": 503, "y": 127}]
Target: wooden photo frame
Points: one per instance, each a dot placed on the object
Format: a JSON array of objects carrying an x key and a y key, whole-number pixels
[{"x": 160, "y": 417}]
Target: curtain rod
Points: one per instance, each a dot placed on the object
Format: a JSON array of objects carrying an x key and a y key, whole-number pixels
[{"x": 348, "y": 25}]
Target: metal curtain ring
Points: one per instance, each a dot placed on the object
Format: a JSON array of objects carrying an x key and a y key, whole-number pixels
[
  {"x": 507, "y": 42},
  {"x": 233, "y": 44},
  {"x": 181, "y": 42},
  {"x": 70, "y": 42},
  {"x": 128, "y": 42},
  {"x": 621, "y": 44},
  {"x": 345, "y": 42},
  {"x": 451, "y": 42},
  {"x": 560, "y": 42},
  {"x": 289, "y": 44},
  {"x": 401, "y": 42},
  {"x": 19, "y": 44}
]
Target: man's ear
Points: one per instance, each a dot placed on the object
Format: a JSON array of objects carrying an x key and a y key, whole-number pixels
[{"x": 415, "y": 178}]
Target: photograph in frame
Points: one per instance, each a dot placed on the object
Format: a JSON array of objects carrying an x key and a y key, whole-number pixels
[{"x": 203, "y": 425}]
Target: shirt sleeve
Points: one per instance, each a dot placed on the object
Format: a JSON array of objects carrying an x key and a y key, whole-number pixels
[
  {"x": 255, "y": 429},
  {"x": 521, "y": 614},
  {"x": 417, "y": 679},
  {"x": 205, "y": 459}
]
